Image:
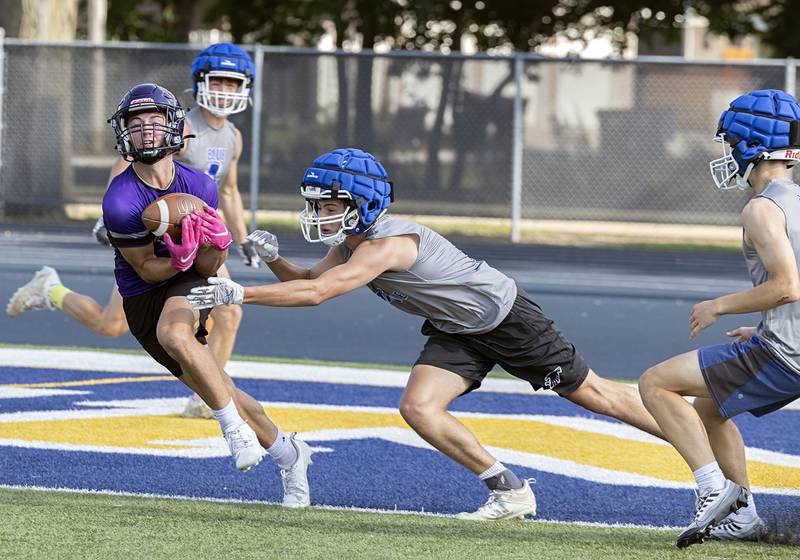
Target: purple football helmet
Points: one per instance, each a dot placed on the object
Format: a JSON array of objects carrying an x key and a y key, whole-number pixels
[{"x": 141, "y": 98}]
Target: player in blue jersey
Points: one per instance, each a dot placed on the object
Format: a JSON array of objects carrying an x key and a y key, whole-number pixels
[
  {"x": 155, "y": 275},
  {"x": 222, "y": 78},
  {"x": 475, "y": 316},
  {"x": 760, "y": 372}
]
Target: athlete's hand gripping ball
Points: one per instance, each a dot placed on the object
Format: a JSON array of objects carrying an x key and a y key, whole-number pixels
[
  {"x": 266, "y": 245},
  {"x": 100, "y": 232},
  {"x": 183, "y": 255},
  {"x": 215, "y": 232},
  {"x": 249, "y": 254},
  {"x": 219, "y": 291}
]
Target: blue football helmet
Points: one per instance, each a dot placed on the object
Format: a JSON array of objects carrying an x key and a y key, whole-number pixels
[
  {"x": 761, "y": 125},
  {"x": 141, "y": 98},
  {"x": 222, "y": 60},
  {"x": 351, "y": 175}
]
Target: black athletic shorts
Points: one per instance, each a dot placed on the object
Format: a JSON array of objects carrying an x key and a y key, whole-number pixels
[
  {"x": 144, "y": 310},
  {"x": 526, "y": 344}
]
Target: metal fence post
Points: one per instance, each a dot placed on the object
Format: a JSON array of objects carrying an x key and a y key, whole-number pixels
[
  {"x": 790, "y": 78},
  {"x": 2, "y": 97},
  {"x": 255, "y": 139},
  {"x": 517, "y": 141}
]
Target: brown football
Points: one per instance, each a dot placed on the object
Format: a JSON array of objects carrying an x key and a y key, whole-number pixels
[{"x": 164, "y": 214}]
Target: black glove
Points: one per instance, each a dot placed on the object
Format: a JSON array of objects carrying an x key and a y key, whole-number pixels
[{"x": 249, "y": 255}]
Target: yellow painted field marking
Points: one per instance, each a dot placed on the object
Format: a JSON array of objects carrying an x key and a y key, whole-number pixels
[
  {"x": 528, "y": 436},
  {"x": 87, "y": 382}
]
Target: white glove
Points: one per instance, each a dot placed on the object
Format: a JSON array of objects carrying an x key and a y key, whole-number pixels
[
  {"x": 219, "y": 291},
  {"x": 265, "y": 244},
  {"x": 100, "y": 232}
]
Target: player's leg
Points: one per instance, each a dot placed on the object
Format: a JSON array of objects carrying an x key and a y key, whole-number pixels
[
  {"x": 614, "y": 399},
  {"x": 292, "y": 455},
  {"x": 106, "y": 321},
  {"x": 725, "y": 440},
  {"x": 244, "y": 423},
  {"x": 448, "y": 367},
  {"x": 221, "y": 339},
  {"x": 226, "y": 324},
  {"x": 662, "y": 388},
  {"x": 46, "y": 291},
  {"x": 728, "y": 446},
  {"x": 428, "y": 393}
]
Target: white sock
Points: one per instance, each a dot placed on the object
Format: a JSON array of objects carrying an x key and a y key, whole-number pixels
[
  {"x": 228, "y": 417},
  {"x": 709, "y": 477},
  {"x": 748, "y": 512},
  {"x": 494, "y": 470},
  {"x": 282, "y": 451}
]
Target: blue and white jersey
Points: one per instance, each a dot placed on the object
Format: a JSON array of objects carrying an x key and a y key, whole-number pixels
[{"x": 211, "y": 150}]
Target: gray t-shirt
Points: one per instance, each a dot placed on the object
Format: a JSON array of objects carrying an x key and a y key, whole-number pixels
[
  {"x": 456, "y": 293},
  {"x": 779, "y": 329},
  {"x": 211, "y": 150}
]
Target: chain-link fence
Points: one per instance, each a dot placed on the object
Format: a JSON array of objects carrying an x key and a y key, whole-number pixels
[{"x": 519, "y": 136}]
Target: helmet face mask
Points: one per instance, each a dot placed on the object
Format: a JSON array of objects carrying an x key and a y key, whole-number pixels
[
  {"x": 227, "y": 61},
  {"x": 223, "y": 103},
  {"x": 151, "y": 141},
  {"x": 312, "y": 224},
  {"x": 725, "y": 170}
]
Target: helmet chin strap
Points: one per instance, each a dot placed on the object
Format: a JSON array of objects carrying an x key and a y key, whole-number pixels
[{"x": 743, "y": 180}]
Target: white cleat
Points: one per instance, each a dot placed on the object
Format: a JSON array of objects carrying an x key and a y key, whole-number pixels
[
  {"x": 505, "y": 504},
  {"x": 711, "y": 508},
  {"x": 244, "y": 446},
  {"x": 196, "y": 408},
  {"x": 296, "y": 492},
  {"x": 33, "y": 296},
  {"x": 733, "y": 528}
]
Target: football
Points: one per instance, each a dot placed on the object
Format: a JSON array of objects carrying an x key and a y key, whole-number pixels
[{"x": 164, "y": 214}]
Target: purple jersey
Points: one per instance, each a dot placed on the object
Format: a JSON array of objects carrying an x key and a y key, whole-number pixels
[{"x": 125, "y": 200}]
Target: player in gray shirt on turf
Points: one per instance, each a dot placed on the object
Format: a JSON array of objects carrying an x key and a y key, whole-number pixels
[
  {"x": 760, "y": 372},
  {"x": 475, "y": 316}
]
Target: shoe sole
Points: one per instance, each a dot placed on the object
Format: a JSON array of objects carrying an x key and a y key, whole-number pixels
[
  {"x": 699, "y": 535},
  {"x": 16, "y": 308},
  {"x": 248, "y": 467},
  {"x": 531, "y": 511}
]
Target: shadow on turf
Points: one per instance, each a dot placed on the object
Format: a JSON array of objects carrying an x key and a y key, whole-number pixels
[{"x": 783, "y": 531}]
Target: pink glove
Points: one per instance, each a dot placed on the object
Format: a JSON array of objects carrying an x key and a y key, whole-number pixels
[
  {"x": 214, "y": 230},
  {"x": 183, "y": 255}
]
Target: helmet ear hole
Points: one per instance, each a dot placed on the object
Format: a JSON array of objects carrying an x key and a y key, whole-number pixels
[{"x": 372, "y": 205}]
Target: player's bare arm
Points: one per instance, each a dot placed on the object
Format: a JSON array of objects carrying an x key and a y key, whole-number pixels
[
  {"x": 286, "y": 270},
  {"x": 151, "y": 268},
  {"x": 370, "y": 259},
  {"x": 209, "y": 260},
  {"x": 765, "y": 230},
  {"x": 230, "y": 200},
  {"x": 119, "y": 166}
]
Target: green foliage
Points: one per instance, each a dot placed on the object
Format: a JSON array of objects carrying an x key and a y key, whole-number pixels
[{"x": 155, "y": 20}]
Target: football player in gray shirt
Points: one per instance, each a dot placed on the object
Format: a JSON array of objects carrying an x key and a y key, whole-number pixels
[
  {"x": 475, "y": 316},
  {"x": 759, "y": 372}
]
